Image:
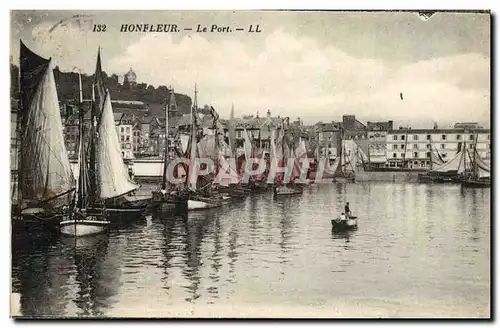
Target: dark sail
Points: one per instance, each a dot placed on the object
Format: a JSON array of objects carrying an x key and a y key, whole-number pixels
[
  {"x": 44, "y": 169},
  {"x": 32, "y": 69}
]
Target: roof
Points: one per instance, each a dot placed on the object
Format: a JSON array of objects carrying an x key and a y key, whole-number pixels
[
  {"x": 117, "y": 116},
  {"x": 429, "y": 131}
]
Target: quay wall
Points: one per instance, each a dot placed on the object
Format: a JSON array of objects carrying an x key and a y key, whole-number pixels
[{"x": 387, "y": 176}]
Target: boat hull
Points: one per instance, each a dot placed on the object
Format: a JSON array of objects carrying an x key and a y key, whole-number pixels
[
  {"x": 78, "y": 228},
  {"x": 476, "y": 184},
  {"x": 169, "y": 202},
  {"x": 287, "y": 191},
  {"x": 196, "y": 205},
  {"x": 344, "y": 179},
  {"x": 348, "y": 224}
]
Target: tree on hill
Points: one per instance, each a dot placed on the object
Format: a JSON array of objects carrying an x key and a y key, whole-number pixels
[{"x": 67, "y": 89}]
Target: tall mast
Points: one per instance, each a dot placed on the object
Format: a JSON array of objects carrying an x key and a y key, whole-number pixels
[
  {"x": 430, "y": 148},
  {"x": 341, "y": 148},
  {"x": 474, "y": 166},
  {"x": 166, "y": 152},
  {"x": 19, "y": 133},
  {"x": 406, "y": 145},
  {"x": 81, "y": 177}
]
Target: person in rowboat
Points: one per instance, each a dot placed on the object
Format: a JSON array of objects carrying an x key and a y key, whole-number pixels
[{"x": 347, "y": 210}]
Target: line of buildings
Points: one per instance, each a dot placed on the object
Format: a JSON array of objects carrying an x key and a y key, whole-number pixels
[{"x": 143, "y": 135}]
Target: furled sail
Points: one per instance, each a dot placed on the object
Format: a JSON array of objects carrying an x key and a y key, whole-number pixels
[
  {"x": 45, "y": 171},
  {"x": 113, "y": 178},
  {"x": 232, "y": 133},
  {"x": 454, "y": 164},
  {"x": 481, "y": 164}
]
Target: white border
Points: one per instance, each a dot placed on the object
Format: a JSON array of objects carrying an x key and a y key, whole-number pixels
[{"x": 184, "y": 4}]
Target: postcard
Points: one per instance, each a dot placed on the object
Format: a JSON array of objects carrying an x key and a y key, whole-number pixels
[{"x": 250, "y": 164}]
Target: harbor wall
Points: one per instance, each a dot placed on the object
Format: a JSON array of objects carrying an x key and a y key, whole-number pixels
[{"x": 387, "y": 176}]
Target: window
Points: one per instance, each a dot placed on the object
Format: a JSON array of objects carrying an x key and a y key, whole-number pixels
[
  {"x": 128, "y": 138},
  {"x": 415, "y": 146},
  {"x": 471, "y": 146},
  {"x": 443, "y": 155},
  {"x": 128, "y": 129},
  {"x": 471, "y": 137},
  {"x": 395, "y": 155},
  {"x": 428, "y": 154},
  {"x": 394, "y": 146},
  {"x": 459, "y": 137},
  {"x": 428, "y": 137},
  {"x": 403, "y": 137},
  {"x": 415, "y": 155},
  {"x": 238, "y": 134},
  {"x": 488, "y": 137},
  {"x": 443, "y": 137},
  {"x": 415, "y": 137},
  {"x": 402, "y": 146},
  {"x": 442, "y": 146},
  {"x": 122, "y": 129},
  {"x": 428, "y": 146},
  {"x": 394, "y": 137},
  {"x": 122, "y": 138}
]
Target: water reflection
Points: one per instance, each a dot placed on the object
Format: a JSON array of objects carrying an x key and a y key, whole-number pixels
[
  {"x": 430, "y": 242},
  {"x": 87, "y": 254}
]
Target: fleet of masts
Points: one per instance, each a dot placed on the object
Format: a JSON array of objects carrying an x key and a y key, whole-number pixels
[{"x": 103, "y": 192}]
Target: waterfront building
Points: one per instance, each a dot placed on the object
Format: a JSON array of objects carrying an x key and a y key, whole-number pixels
[
  {"x": 377, "y": 143},
  {"x": 124, "y": 128},
  {"x": 411, "y": 148}
]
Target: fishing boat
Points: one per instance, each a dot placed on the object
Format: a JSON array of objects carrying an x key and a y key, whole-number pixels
[
  {"x": 45, "y": 182},
  {"x": 479, "y": 175},
  {"x": 108, "y": 176},
  {"x": 440, "y": 170},
  {"x": 202, "y": 194},
  {"x": 345, "y": 170},
  {"x": 281, "y": 152},
  {"x": 169, "y": 197},
  {"x": 83, "y": 220},
  {"x": 349, "y": 224}
]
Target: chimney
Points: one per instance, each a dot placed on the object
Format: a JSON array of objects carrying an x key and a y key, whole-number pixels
[
  {"x": 257, "y": 114},
  {"x": 268, "y": 113}
]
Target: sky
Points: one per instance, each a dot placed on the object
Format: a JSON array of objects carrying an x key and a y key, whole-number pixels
[{"x": 313, "y": 65}]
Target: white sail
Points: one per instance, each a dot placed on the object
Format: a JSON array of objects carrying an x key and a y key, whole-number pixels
[
  {"x": 113, "y": 178},
  {"x": 45, "y": 169},
  {"x": 454, "y": 164},
  {"x": 247, "y": 145}
]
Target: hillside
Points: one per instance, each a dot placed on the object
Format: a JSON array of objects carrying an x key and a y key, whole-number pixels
[{"x": 67, "y": 89}]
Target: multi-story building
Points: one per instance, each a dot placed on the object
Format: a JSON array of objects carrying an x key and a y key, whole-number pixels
[
  {"x": 328, "y": 135},
  {"x": 412, "y": 148},
  {"x": 124, "y": 129},
  {"x": 377, "y": 143}
]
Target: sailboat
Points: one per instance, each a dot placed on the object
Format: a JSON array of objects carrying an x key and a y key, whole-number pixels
[
  {"x": 291, "y": 188},
  {"x": 201, "y": 197},
  {"x": 109, "y": 177},
  {"x": 44, "y": 178},
  {"x": 168, "y": 198},
  {"x": 449, "y": 171},
  {"x": 83, "y": 219},
  {"x": 479, "y": 176},
  {"x": 345, "y": 171},
  {"x": 435, "y": 161}
]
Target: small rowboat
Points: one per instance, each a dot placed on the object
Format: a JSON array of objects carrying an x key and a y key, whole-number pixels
[{"x": 350, "y": 223}]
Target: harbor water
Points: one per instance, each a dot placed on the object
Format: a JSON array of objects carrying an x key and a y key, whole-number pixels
[{"x": 420, "y": 250}]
